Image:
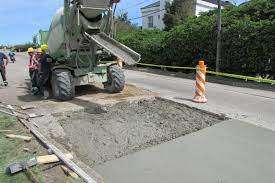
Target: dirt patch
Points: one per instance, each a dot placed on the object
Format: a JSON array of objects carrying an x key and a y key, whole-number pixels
[
  {"x": 127, "y": 127},
  {"x": 97, "y": 92}
]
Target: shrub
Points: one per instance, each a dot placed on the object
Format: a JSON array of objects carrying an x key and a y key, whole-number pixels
[
  {"x": 146, "y": 42},
  {"x": 248, "y": 40}
]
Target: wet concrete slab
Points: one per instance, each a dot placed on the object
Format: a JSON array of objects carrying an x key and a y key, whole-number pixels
[
  {"x": 104, "y": 133},
  {"x": 231, "y": 151}
]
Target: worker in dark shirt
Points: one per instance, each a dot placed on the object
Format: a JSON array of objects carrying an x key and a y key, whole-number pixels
[
  {"x": 4, "y": 60},
  {"x": 45, "y": 70}
]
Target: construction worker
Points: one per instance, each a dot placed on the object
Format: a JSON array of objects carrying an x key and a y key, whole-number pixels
[
  {"x": 4, "y": 60},
  {"x": 12, "y": 56},
  {"x": 198, "y": 56},
  {"x": 45, "y": 70},
  {"x": 38, "y": 54},
  {"x": 35, "y": 70},
  {"x": 31, "y": 61}
]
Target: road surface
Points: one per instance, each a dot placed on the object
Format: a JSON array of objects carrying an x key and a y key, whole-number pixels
[
  {"x": 250, "y": 105},
  {"x": 17, "y": 91},
  {"x": 232, "y": 151}
]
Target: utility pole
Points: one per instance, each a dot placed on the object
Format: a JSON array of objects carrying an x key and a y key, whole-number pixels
[{"x": 219, "y": 29}]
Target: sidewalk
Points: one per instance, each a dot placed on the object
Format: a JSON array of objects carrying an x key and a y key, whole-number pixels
[{"x": 229, "y": 152}]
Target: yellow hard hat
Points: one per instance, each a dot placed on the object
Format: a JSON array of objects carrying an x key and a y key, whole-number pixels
[
  {"x": 30, "y": 50},
  {"x": 44, "y": 47},
  {"x": 39, "y": 50}
]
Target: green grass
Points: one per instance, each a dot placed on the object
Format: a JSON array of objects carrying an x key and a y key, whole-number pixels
[{"x": 11, "y": 151}]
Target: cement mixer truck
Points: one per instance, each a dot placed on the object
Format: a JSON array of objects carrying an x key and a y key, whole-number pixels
[{"x": 79, "y": 40}]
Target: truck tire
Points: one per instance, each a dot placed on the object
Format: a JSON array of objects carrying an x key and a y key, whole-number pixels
[
  {"x": 63, "y": 85},
  {"x": 116, "y": 80}
]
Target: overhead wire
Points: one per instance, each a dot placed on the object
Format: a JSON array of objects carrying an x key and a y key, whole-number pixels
[
  {"x": 147, "y": 15},
  {"x": 130, "y": 7},
  {"x": 135, "y": 5}
]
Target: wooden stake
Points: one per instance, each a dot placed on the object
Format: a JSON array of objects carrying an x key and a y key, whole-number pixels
[
  {"x": 11, "y": 108},
  {"x": 13, "y": 114},
  {"x": 25, "y": 138},
  {"x": 14, "y": 111},
  {"x": 50, "y": 158},
  {"x": 5, "y": 131},
  {"x": 27, "y": 107},
  {"x": 26, "y": 149},
  {"x": 69, "y": 172},
  {"x": 8, "y": 113}
]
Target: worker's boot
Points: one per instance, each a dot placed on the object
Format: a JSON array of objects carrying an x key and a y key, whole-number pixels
[
  {"x": 35, "y": 91},
  {"x": 46, "y": 94}
]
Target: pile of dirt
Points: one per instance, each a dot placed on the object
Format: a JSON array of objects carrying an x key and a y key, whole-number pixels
[{"x": 128, "y": 127}]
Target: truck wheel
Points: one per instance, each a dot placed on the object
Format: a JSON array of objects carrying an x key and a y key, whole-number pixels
[
  {"x": 63, "y": 85},
  {"x": 116, "y": 80}
]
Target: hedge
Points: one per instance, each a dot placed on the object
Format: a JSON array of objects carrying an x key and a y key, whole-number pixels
[
  {"x": 146, "y": 42},
  {"x": 248, "y": 40}
]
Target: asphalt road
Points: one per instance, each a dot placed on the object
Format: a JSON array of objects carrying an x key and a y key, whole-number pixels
[
  {"x": 249, "y": 105},
  {"x": 17, "y": 92}
]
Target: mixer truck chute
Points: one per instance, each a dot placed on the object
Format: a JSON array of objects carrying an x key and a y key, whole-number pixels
[{"x": 80, "y": 36}]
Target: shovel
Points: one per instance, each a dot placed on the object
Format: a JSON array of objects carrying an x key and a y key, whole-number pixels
[{"x": 39, "y": 160}]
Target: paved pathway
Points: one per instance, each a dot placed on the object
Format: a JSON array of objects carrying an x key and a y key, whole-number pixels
[{"x": 229, "y": 152}]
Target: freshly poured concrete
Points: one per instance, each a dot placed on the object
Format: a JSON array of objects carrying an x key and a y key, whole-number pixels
[
  {"x": 105, "y": 133},
  {"x": 229, "y": 152}
]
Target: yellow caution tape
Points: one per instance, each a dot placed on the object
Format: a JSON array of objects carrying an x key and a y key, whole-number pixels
[
  {"x": 165, "y": 66},
  {"x": 235, "y": 76}
]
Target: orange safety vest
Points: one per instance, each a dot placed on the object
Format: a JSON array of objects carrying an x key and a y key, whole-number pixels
[{"x": 32, "y": 64}]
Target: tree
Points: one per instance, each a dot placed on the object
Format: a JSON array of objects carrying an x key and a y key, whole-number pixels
[
  {"x": 178, "y": 11},
  {"x": 34, "y": 40},
  {"x": 123, "y": 24},
  {"x": 23, "y": 47},
  {"x": 123, "y": 17}
]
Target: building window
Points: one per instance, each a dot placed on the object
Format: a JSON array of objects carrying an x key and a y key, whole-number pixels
[
  {"x": 159, "y": 17},
  {"x": 150, "y": 22}
]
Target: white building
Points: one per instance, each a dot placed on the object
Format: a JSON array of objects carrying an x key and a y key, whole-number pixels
[{"x": 152, "y": 15}]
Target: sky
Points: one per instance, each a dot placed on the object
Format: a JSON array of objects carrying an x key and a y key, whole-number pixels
[{"x": 21, "y": 19}]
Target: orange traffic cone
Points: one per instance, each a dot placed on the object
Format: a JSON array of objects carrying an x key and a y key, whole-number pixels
[{"x": 200, "y": 83}]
